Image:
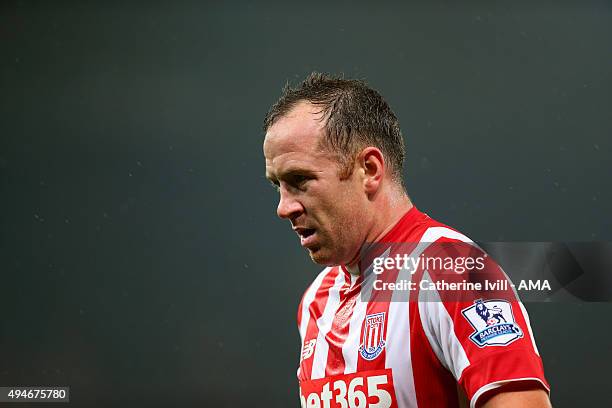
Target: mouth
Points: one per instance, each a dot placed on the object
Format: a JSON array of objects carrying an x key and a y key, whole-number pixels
[{"x": 307, "y": 236}]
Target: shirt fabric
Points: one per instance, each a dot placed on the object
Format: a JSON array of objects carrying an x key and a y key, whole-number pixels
[{"x": 419, "y": 348}]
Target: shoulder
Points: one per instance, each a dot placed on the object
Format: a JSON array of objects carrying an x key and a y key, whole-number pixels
[
  {"x": 431, "y": 230},
  {"x": 417, "y": 226},
  {"x": 324, "y": 280}
]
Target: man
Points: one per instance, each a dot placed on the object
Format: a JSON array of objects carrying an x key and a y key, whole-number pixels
[{"x": 334, "y": 151}]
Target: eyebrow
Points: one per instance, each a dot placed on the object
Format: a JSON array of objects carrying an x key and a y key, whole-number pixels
[
  {"x": 295, "y": 171},
  {"x": 269, "y": 176}
]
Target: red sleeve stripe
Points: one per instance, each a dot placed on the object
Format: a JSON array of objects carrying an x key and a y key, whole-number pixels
[{"x": 314, "y": 311}]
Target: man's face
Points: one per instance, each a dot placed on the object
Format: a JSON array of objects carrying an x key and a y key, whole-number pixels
[{"x": 323, "y": 209}]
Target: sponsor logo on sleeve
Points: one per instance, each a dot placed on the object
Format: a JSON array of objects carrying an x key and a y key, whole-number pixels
[{"x": 493, "y": 321}]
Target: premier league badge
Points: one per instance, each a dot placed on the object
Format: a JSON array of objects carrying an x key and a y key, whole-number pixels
[
  {"x": 493, "y": 321},
  {"x": 373, "y": 341}
]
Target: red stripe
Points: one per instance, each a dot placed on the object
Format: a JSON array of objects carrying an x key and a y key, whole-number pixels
[
  {"x": 338, "y": 333},
  {"x": 434, "y": 385},
  {"x": 493, "y": 364},
  {"x": 379, "y": 303},
  {"x": 340, "y": 326},
  {"x": 315, "y": 311}
]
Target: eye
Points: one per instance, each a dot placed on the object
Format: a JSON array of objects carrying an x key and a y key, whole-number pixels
[{"x": 299, "y": 180}]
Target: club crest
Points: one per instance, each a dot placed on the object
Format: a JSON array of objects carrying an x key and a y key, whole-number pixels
[
  {"x": 373, "y": 341},
  {"x": 493, "y": 321}
]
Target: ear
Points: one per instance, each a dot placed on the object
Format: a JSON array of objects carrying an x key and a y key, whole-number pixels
[{"x": 373, "y": 168}]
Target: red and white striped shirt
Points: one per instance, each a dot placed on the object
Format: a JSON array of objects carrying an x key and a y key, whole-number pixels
[{"x": 363, "y": 350}]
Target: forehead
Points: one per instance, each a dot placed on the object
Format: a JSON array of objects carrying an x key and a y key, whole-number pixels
[
  {"x": 294, "y": 139},
  {"x": 300, "y": 128}
]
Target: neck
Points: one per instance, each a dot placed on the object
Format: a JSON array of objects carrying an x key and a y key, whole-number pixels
[{"x": 389, "y": 209}]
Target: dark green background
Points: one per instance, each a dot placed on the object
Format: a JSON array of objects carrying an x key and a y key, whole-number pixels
[{"x": 141, "y": 260}]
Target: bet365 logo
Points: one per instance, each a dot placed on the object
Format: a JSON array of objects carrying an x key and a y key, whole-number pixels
[{"x": 366, "y": 389}]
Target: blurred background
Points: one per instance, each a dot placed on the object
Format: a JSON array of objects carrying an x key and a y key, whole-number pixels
[{"x": 141, "y": 260}]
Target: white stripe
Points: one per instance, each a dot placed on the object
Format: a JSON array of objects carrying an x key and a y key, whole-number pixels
[
  {"x": 492, "y": 386},
  {"x": 440, "y": 331},
  {"x": 307, "y": 300},
  {"x": 350, "y": 348},
  {"x": 435, "y": 320},
  {"x": 398, "y": 357},
  {"x": 435, "y": 233},
  {"x": 438, "y": 324},
  {"x": 526, "y": 316},
  {"x": 398, "y": 329},
  {"x": 324, "y": 324}
]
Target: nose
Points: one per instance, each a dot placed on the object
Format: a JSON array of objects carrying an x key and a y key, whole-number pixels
[{"x": 288, "y": 206}]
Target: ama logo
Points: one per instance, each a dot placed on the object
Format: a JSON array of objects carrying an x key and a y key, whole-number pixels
[
  {"x": 373, "y": 341},
  {"x": 493, "y": 321}
]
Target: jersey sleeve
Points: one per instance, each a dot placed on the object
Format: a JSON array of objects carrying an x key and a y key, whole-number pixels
[{"x": 481, "y": 334}]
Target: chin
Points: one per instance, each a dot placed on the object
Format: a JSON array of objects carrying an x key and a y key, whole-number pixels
[{"x": 324, "y": 258}]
